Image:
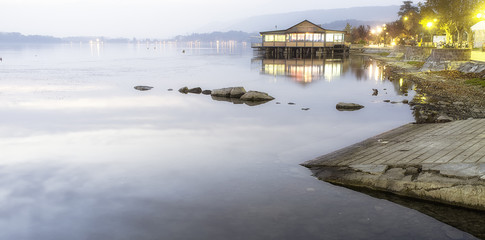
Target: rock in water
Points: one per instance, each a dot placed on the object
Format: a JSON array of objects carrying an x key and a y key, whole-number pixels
[
  {"x": 207, "y": 92},
  {"x": 256, "y": 96},
  {"x": 348, "y": 106},
  {"x": 143, "y": 88},
  {"x": 184, "y": 90},
  {"x": 232, "y": 92},
  {"x": 196, "y": 90},
  {"x": 237, "y": 92},
  {"x": 222, "y": 92}
]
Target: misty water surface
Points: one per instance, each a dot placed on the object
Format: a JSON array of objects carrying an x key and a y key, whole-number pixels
[{"x": 86, "y": 156}]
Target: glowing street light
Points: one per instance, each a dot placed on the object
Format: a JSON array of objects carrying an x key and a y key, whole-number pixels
[
  {"x": 429, "y": 25},
  {"x": 406, "y": 18}
]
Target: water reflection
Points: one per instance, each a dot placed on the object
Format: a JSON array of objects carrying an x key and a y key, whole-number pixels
[
  {"x": 96, "y": 47},
  {"x": 82, "y": 148},
  {"x": 465, "y": 219},
  {"x": 304, "y": 70},
  {"x": 330, "y": 69}
]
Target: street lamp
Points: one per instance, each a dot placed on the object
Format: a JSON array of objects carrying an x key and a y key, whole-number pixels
[{"x": 429, "y": 25}]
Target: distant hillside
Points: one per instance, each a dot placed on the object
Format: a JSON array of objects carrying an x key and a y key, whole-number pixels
[
  {"x": 218, "y": 36},
  {"x": 380, "y": 14},
  {"x": 19, "y": 38},
  {"x": 340, "y": 25}
]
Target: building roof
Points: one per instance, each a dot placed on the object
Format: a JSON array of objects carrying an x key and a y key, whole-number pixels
[
  {"x": 303, "y": 27},
  {"x": 479, "y": 26}
]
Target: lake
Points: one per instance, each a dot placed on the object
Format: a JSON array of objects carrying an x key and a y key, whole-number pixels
[{"x": 86, "y": 156}]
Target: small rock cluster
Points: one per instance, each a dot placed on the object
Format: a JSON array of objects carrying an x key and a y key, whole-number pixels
[{"x": 236, "y": 95}]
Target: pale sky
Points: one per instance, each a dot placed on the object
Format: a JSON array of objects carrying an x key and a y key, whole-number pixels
[{"x": 145, "y": 18}]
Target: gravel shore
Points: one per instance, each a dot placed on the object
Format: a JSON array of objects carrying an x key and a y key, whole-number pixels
[{"x": 441, "y": 96}]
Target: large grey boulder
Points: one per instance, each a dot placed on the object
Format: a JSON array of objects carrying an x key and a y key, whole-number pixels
[
  {"x": 256, "y": 96},
  {"x": 231, "y": 92},
  {"x": 237, "y": 92},
  {"x": 341, "y": 106},
  {"x": 221, "y": 92}
]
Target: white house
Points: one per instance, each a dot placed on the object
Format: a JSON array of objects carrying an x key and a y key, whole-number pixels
[{"x": 478, "y": 34}]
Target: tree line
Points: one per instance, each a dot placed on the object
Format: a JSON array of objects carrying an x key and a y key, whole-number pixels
[{"x": 418, "y": 23}]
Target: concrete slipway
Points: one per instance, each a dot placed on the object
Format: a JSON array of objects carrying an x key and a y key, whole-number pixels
[{"x": 438, "y": 162}]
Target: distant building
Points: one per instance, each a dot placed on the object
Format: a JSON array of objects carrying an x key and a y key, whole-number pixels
[
  {"x": 478, "y": 34},
  {"x": 305, "y": 39}
]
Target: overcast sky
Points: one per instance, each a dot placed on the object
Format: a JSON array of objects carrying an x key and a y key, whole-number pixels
[{"x": 145, "y": 18}]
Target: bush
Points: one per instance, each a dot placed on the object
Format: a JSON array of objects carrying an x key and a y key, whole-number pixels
[
  {"x": 417, "y": 64},
  {"x": 476, "y": 81}
]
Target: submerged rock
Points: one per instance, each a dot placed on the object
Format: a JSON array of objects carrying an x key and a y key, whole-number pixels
[
  {"x": 143, "y": 88},
  {"x": 256, "y": 96},
  {"x": 207, "y": 92},
  {"x": 238, "y": 101},
  {"x": 341, "y": 106}
]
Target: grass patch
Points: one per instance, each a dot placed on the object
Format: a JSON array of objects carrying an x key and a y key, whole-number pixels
[
  {"x": 417, "y": 64},
  {"x": 383, "y": 54},
  {"x": 476, "y": 82}
]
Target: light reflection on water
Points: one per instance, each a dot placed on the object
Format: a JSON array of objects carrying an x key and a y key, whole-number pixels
[{"x": 85, "y": 156}]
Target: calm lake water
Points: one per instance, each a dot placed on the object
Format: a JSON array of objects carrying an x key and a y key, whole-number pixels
[{"x": 86, "y": 156}]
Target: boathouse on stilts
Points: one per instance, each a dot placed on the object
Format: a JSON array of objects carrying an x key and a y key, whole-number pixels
[{"x": 304, "y": 40}]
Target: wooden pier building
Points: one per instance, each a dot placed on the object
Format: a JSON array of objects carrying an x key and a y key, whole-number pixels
[{"x": 303, "y": 40}]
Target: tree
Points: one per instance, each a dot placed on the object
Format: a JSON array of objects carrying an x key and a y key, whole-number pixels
[
  {"x": 348, "y": 32},
  {"x": 454, "y": 17},
  {"x": 360, "y": 34},
  {"x": 396, "y": 29},
  {"x": 410, "y": 16}
]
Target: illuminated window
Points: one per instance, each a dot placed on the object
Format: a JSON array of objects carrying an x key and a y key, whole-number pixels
[
  {"x": 309, "y": 37},
  {"x": 269, "y": 38},
  {"x": 317, "y": 37},
  {"x": 329, "y": 37},
  {"x": 280, "y": 38},
  {"x": 301, "y": 37},
  {"x": 293, "y": 37},
  {"x": 338, "y": 38}
]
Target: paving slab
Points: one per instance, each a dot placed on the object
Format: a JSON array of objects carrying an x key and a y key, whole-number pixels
[{"x": 438, "y": 162}]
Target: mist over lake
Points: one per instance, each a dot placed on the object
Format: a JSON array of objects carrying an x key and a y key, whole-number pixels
[{"x": 87, "y": 156}]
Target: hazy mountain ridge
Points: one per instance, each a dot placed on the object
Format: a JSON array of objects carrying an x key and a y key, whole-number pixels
[
  {"x": 376, "y": 14},
  {"x": 18, "y": 38},
  {"x": 14, "y": 37},
  {"x": 248, "y": 29}
]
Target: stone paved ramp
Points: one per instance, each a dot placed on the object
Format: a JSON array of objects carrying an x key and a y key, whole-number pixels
[{"x": 438, "y": 162}]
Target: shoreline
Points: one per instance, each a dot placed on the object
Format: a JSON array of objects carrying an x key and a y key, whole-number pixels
[
  {"x": 442, "y": 96},
  {"x": 440, "y": 158}
]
